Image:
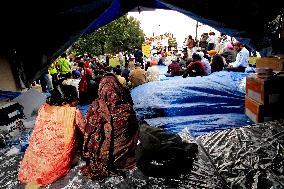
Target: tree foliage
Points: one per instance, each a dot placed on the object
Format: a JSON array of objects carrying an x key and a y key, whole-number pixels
[{"x": 122, "y": 34}]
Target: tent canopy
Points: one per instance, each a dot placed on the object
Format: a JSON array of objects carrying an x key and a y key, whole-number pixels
[{"x": 33, "y": 33}]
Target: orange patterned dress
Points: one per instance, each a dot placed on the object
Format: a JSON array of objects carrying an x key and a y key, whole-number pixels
[{"x": 52, "y": 145}]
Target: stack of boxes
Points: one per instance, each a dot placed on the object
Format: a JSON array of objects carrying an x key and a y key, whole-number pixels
[{"x": 264, "y": 98}]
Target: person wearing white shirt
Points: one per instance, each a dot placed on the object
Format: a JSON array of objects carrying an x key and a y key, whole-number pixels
[
  {"x": 120, "y": 57},
  {"x": 212, "y": 41},
  {"x": 72, "y": 80},
  {"x": 242, "y": 59},
  {"x": 206, "y": 63}
]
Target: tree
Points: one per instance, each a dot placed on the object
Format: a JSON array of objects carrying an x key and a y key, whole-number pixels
[{"x": 122, "y": 34}]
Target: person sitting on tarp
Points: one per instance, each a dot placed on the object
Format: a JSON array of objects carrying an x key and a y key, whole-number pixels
[
  {"x": 229, "y": 53},
  {"x": 131, "y": 64},
  {"x": 212, "y": 41},
  {"x": 152, "y": 72},
  {"x": 205, "y": 61},
  {"x": 173, "y": 69},
  {"x": 195, "y": 68},
  {"x": 52, "y": 147},
  {"x": 184, "y": 59},
  {"x": 111, "y": 133},
  {"x": 72, "y": 80},
  {"x": 163, "y": 154},
  {"x": 217, "y": 63},
  {"x": 137, "y": 76},
  {"x": 125, "y": 72},
  {"x": 242, "y": 59},
  {"x": 121, "y": 79}
]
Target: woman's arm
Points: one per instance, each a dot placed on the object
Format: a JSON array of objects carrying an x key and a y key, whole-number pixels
[{"x": 80, "y": 122}]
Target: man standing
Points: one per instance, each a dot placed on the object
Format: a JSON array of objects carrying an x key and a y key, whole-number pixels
[
  {"x": 126, "y": 57},
  {"x": 120, "y": 57},
  {"x": 138, "y": 54},
  {"x": 64, "y": 66}
]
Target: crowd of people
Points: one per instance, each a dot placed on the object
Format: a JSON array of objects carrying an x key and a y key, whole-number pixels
[
  {"x": 85, "y": 72},
  {"x": 198, "y": 58},
  {"x": 208, "y": 55},
  {"x": 107, "y": 137}
]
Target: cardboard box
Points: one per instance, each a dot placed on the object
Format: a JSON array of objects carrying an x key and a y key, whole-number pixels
[
  {"x": 259, "y": 113},
  {"x": 255, "y": 111},
  {"x": 275, "y": 63},
  {"x": 265, "y": 91}
]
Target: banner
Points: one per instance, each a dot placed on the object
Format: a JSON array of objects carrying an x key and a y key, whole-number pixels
[{"x": 146, "y": 49}]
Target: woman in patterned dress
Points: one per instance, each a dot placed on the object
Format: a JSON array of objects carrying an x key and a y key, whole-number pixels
[{"x": 111, "y": 132}]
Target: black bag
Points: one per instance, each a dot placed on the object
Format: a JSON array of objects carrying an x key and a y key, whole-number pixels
[{"x": 163, "y": 154}]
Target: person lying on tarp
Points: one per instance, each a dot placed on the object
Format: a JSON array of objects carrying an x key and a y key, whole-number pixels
[{"x": 58, "y": 129}]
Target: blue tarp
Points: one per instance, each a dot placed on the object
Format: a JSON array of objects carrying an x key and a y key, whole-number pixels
[
  {"x": 201, "y": 104},
  {"x": 5, "y": 95}
]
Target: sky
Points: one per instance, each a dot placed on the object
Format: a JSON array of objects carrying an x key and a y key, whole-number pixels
[{"x": 161, "y": 21}]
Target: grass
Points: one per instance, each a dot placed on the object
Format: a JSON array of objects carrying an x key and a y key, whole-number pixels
[{"x": 113, "y": 62}]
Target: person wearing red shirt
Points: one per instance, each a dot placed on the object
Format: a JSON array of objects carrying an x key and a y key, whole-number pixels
[
  {"x": 173, "y": 69},
  {"x": 196, "y": 67}
]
